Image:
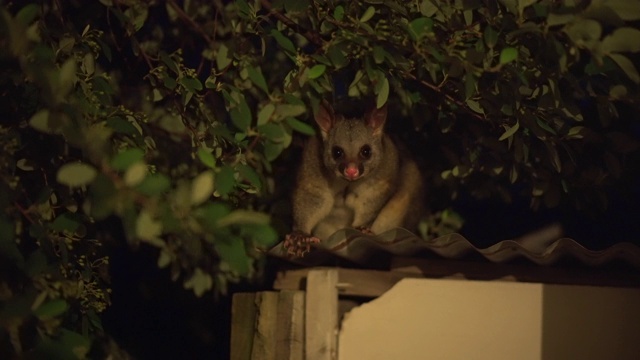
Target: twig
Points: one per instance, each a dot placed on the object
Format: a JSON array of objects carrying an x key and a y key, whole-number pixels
[
  {"x": 189, "y": 20},
  {"x": 312, "y": 36},
  {"x": 447, "y": 96},
  {"x": 24, "y": 212}
]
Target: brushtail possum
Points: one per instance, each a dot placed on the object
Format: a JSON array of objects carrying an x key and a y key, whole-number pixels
[{"x": 353, "y": 175}]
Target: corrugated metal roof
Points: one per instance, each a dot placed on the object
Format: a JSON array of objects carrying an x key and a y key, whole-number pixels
[{"x": 541, "y": 248}]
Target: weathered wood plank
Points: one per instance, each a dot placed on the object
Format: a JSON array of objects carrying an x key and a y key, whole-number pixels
[
  {"x": 243, "y": 315},
  {"x": 321, "y": 315},
  {"x": 351, "y": 282},
  {"x": 290, "y": 331},
  {"x": 264, "y": 339}
]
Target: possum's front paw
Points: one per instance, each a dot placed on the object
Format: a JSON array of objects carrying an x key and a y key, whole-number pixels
[{"x": 298, "y": 243}]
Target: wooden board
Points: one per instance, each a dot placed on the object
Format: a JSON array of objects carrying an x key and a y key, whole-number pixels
[
  {"x": 290, "y": 325},
  {"x": 264, "y": 339},
  {"x": 321, "y": 315},
  {"x": 351, "y": 282},
  {"x": 243, "y": 314}
]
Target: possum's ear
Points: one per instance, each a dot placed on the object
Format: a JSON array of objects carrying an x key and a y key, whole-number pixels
[
  {"x": 376, "y": 118},
  {"x": 325, "y": 118}
]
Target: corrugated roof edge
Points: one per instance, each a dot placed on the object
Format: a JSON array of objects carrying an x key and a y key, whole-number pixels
[{"x": 353, "y": 245}]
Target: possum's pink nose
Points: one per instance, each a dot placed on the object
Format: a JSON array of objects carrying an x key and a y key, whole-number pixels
[{"x": 351, "y": 172}]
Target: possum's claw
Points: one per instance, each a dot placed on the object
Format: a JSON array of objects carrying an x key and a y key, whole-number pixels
[
  {"x": 298, "y": 243},
  {"x": 365, "y": 230}
]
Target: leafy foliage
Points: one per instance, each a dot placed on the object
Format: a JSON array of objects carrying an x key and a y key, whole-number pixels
[{"x": 170, "y": 116}]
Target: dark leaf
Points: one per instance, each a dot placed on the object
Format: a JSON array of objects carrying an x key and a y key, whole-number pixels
[
  {"x": 123, "y": 160},
  {"x": 225, "y": 180}
]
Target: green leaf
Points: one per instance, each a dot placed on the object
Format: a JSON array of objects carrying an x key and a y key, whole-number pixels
[
  {"x": 508, "y": 55},
  {"x": 283, "y": 41},
  {"x": 337, "y": 57},
  {"x": 261, "y": 235},
  {"x": 28, "y": 14},
  {"x": 202, "y": 187},
  {"x": 316, "y": 71},
  {"x": 618, "y": 91},
  {"x": 240, "y": 217},
  {"x": 584, "y": 32},
  {"x": 383, "y": 93},
  {"x": 469, "y": 85},
  {"x": 126, "y": 158},
  {"x": 51, "y": 309},
  {"x": 510, "y": 131},
  {"x": 212, "y": 212},
  {"x": 627, "y": 66},
  {"x": 265, "y": 114},
  {"x": 272, "y": 150},
  {"x": 148, "y": 228},
  {"x": 475, "y": 106},
  {"x": 255, "y": 74},
  {"x": 206, "y": 157},
  {"x": 40, "y": 121},
  {"x": 368, "y": 14},
  {"x": 622, "y": 40},
  {"x": 490, "y": 37},
  {"x": 67, "y": 78},
  {"x": 284, "y": 110},
  {"x": 241, "y": 115},
  {"x": 191, "y": 84},
  {"x": 273, "y": 132},
  {"x": 626, "y": 9},
  {"x": 66, "y": 222},
  {"x": 171, "y": 64},
  {"x": 575, "y": 132},
  {"x": 135, "y": 174},
  {"x": 154, "y": 184},
  {"x": 122, "y": 126},
  {"x": 233, "y": 252},
  {"x": 165, "y": 258},
  {"x": 249, "y": 174},
  {"x": 545, "y": 126},
  {"x": 419, "y": 27},
  {"x": 76, "y": 174},
  {"x": 223, "y": 58},
  {"x": 559, "y": 19},
  {"x": 200, "y": 282},
  {"x": 225, "y": 180},
  {"x": 338, "y": 13},
  {"x": 300, "y": 126},
  {"x": 379, "y": 55}
]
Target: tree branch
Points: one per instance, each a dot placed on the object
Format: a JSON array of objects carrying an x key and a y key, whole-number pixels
[
  {"x": 312, "y": 36},
  {"x": 447, "y": 96},
  {"x": 189, "y": 20}
]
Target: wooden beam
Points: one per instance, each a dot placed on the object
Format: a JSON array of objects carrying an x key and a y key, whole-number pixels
[
  {"x": 351, "y": 282},
  {"x": 243, "y": 315},
  {"x": 290, "y": 326},
  {"x": 321, "y": 315},
  {"x": 264, "y": 339}
]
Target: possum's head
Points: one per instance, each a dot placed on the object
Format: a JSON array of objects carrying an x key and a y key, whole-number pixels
[{"x": 352, "y": 148}]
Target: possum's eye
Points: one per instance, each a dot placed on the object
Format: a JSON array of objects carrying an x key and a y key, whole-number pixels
[
  {"x": 337, "y": 152},
  {"x": 365, "y": 152}
]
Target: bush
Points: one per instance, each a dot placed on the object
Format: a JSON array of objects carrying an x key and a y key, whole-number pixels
[{"x": 170, "y": 116}]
